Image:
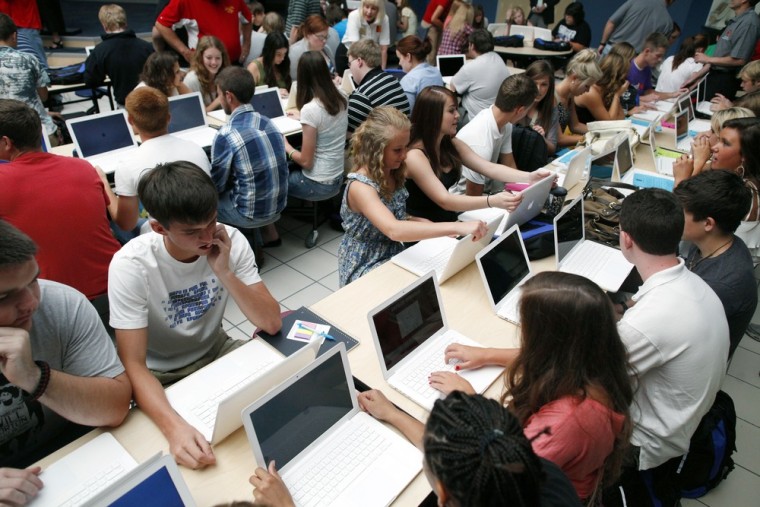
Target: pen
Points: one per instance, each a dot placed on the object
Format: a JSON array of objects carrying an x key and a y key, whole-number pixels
[{"x": 327, "y": 336}]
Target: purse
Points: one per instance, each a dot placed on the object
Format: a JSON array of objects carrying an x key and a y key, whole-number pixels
[
  {"x": 601, "y": 207},
  {"x": 603, "y": 136}
]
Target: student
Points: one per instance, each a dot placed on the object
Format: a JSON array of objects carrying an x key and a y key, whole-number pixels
[
  {"x": 168, "y": 291},
  {"x": 337, "y": 18},
  {"x": 314, "y": 32},
  {"x": 162, "y": 72},
  {"x": 209, "y": 59},
  {"x": 324, "y": 118},
  {"x": 435, "y": 160},
  {"x": 633, "y": 21},
  {"x": 573, "y": 28},
  {"x": 369, "y": 22},
  {"x": 714, "y": 204},
  {"x": 602, "y": 102},
  {"x": 148, "y": 114},
  {"x": 543, "y": 116},
  {"x": 298, "y": 13},
  {"x": 257, "y": 15},
  {"x": 750, "y": 83},
  {"x": 60, "y": 369},
  {"x": 640, "y": 71},
  {"x": 570, "y": 376},
  {"x": 489, "y": 134},
  {"x": 515, "y": 15},
  {"x": 411, "y": 53},
  {"x": 120, "y": 55},
  {"x": 475, "y": 454},
  {"x": 581, "y": 73},
  {"x": 407, "y": 20},
  {"x": 272, "y": 68},
  {"x": 681, "y": 69},
  {"x": 374, "y": 203},
  {"x": 273, "y": 22},
  {"x": 457, "y": 29}
]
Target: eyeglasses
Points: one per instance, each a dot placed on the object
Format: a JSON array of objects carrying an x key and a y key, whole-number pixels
[{"x": 321, "y": 37}]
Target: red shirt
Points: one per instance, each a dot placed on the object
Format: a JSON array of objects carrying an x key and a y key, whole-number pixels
[
  {"x": 24, "y": 13},
  {"x": 208, "y": 17},
  {"x": 431, "y": 7},
  {"x": 60, "y": 202}
]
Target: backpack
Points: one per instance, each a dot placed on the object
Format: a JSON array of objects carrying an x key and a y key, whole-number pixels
[
  {"x": 70, "y": 74},
  {"x": 549, "y": 45},
  {"x": 709, "y": 460},
  {"x": 528, "y": 148},
  {"x": 509, "y": 41}
]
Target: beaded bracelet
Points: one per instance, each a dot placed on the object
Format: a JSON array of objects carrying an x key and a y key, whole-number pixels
[{"x": 44, "y": 380}]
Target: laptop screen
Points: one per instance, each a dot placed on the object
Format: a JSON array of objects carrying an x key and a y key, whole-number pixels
[
  {"x": 186, "y": 113},
  {"x": 569, "y": 229},
  {"x": 450, "y": 65},
  {"x": 623, "y": 158},
  {"x": 101, "y": 134},
  {"x": 504, "y": 266},
  {"x": 268, "y": 104},
  {"x": 407, "y": 322},
  {"x": 684, "y": 104},
  {"x": 158, "y": 489},
  {"x": 294, "y": 418},
  {"x": 682, "y": 125},
  {"x": 602, "y": 166}
]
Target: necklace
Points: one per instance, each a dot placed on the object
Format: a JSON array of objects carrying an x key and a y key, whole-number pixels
[{"x": 695, "y": 262}]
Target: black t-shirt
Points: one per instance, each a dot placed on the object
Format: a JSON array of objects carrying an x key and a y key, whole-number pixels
[
  {"x": 578, "y": 33},
  {"x": 557, "y": 490}
]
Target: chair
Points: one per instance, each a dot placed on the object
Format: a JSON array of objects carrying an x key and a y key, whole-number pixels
[
  {"x": 96, "y": 94},
  {"x": 304, "y": 211}
]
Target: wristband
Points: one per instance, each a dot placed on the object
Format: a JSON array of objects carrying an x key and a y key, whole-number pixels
[
  {"x": 44, "y": 380},
  {"x": 602, "y": 43},
  {"x": 488, "y": 196},
  {"x": 290, "y": 155}
]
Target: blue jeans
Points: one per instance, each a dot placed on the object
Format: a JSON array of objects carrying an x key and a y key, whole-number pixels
[
  {"x": 228, "y": 214},
  {"x": 303, "y": 188},
  {"x": 34, "y": 41}
]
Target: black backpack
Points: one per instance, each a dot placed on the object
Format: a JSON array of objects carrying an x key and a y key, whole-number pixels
[
  {"x": 70, "y": 74},
  {"x": 528, "y": 148}
]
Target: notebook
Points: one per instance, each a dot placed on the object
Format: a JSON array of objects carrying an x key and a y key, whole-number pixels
[
  {"x": 188, "y": 119},
  {"x": 327, "y": 450},
  {"x": 287, "y": 346},
  {"x": 104, "y": 139},
  {"x": 155, "y": 483},
  {"x": 573, "y": 171},
  {"x": 504, "y": 266},
  {"x": 84, "y": 472},
  {"x": 601, "y": 264},
  {"x": 411, "y": 334},
  {"x": 196, "y": 397},
  {"x": 267, "y": 103},
  {"x": 449, "y": 65},
  {"x": 445, "y": 256}
]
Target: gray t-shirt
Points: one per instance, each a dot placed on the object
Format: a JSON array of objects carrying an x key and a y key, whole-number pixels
[
  {"x": 478, "y": 82},
  {"x": 739, "y": 38},
  {"x": 67, "y": 334},
  {"x": 636, "y": 19}
]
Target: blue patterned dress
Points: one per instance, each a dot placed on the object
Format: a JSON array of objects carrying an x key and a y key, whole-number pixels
[{"x": 364, "y": 247}]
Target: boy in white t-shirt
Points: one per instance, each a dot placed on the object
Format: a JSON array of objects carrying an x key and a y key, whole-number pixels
[{"x": 168, "y": 290}]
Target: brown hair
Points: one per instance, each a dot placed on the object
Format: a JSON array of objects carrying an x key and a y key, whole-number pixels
[
  {"x": 204, "y": 77},
  {"x": 426, "y": 127},
  {"x": 313, "y": 24},
  {"x": 314, "y": 81},
  {"x": 413, "y": 45}
]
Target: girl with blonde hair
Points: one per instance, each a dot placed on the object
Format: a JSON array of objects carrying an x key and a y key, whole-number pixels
[
  {"x": 602, "y": 102},
  {"x": 209, "y": 59},
  {"x": 456, "y": 29},
  {"x": 581, "y": 73}
]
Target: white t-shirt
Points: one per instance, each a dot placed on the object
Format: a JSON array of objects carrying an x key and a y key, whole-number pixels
[
  {"x": 331, "y": 138},
  {"x": 191, "y": 81},
  {"x": 677, "y": 340},
  {"x": 672, "y": 80},
  {"x": 478, "y": 82},
  {"x": 483, "y": 136},
  {"x": 181, "y": 303},
  {"x": 174, "y": 92},
  {"x": 357, "y": 28},
  {"x": 411, "y": 21}
]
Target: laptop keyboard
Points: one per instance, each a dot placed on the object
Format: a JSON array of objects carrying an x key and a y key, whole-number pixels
[
  {"x": 508, "y": 309},
  {"x": 589, "y": 260},
  {"x": 94, "y": 485},
  {"x": 323, "y": 476},
  {"x": 206, "y": 409},
  {"x": 685, "y": 144},
  {"x": 435, "y": 263},
  {"x": 416, "y": 378}
]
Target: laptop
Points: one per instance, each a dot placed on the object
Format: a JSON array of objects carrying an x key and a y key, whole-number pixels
[
  {"x": 411, "y": 334},
  {"x": 291, "y": 102},
  {"x": 524, "y": 30},
  {"x": 681, "y": 139},
  {"x": 498, "y": 29},
  {"x": 197, "y": 397},
  {"x": 327, "y": 450},
  {"x": 188, "y": 119},
  {"x": 576, "y": 166},
  {"x": 155, "y": 483},
  {"x": 601, "y": 264},
  {"x": 267, "y": 103},
  {"x": 104, "y": 139},
  {"x": 504, "y": 266},
  {"x": 625, "y": 172},
  {"x": 84, "y": 472},
  {"x": 695, "y": 126},
  {"x": 449, "y": 65},
  {"x": 445, "y": 256},
  {"x": 663, "y": 163},
  {"x": 602, "y": 166},
  {"x": 347, "y": 83},
  {"x": 542, "y": 33}
]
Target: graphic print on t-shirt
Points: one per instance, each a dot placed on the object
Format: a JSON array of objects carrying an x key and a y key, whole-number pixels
[
  {"x": 18, "y": 417},
  {"x": 192, "y": 303}
]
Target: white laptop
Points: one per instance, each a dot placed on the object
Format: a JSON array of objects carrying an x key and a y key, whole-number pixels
[
  {"x": 411, "y": 334},
  {"x": 449, "y": 65},
  {"x": 663, "y": 158},
  {"x": 46, "y": 146},
  {"x": 291, "y": 101},
  {"x": 188, "y": 119},
  {"x": 681, "y": 140},
  {"x": 155, "y": 483},
  {"x": 627, "y": 173},
  {"x": 695, "y": 125},
  {"x": 504, "y": 266},
  {"x": 498, "y": 29},
  {"x": 572, "y": 173},
  {"x": 347, "y": 83},
  {"x": 197, "y": 397},
  {"x": 542, "y": 33},
  {"x": 84, "y": 472},
  {"x": 327, "y": 450},
  {"x": 601, "y": 264},
  {"x": 267, "y": 103},
  {"x": 524, "y": 30},
  {"x": 104, "y": 139}
]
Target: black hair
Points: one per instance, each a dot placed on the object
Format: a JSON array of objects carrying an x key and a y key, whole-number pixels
[
  {"x": 275, "y": 41},
  {"x": 749, "y": 137},
  {"x": 15, "y": 246},
  {"x": 719, "y": 194},
  {"x": 21, "y": 124},
  {"x": 238, "y": 81},
  {"x": 7, "y": 27},
  {"x": 575, "y": 9},
  {"x": 482, "y": 41},
  {"x": 654, "y": 219},
  {"x": 178, "y": 192}
]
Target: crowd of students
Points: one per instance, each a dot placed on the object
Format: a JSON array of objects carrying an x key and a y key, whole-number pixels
[{"x": 613, "y": 383}]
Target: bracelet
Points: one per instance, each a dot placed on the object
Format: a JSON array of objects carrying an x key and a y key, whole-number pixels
[
  {"x": 488, "y": 196},
  {"x": 625, "y": 307},
  {"x": 290, "y": 155},
  {"x": 602, "y": 43},
  {"x": 44, "y": 380}
]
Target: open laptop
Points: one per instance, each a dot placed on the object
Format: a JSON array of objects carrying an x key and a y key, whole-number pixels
[
  {"x": 411, "y": 334},
  {"x": 663, "y": 158},
  {"x": 682, "y": 139},
  {"x": 328, "y": 451},
  {"x": 347, "y": 83},
  {"x": 573, "y": 164},
  {"x": 155, "y": 483},
  {"x": 267, "y": 103},
  {"x": 504, "y": 266},
  {"x": 188, "y": 119},
  {"x": 84, "y": 472},
  {"x": 627, "y": 173},
  {"x": 542, "y": 33},
  {"x": 445, "y": 256},
  {"x": 695, "y": 125},
  {"x": 291, "y": 102},
  {"x": 196, "y": 397},
  {"x": 524, "y": 30},
  {"x": 449, "y": 65},
  {"x": 104, "y": 139},
  {"x": 601, "y": 264},
  {"x": 602, "y": 166}
]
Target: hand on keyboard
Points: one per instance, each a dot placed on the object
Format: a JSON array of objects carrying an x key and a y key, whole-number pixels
[
  {"x": 189, "y": 448},
  {"x": 447, "y": 382},
  {"x": 468, "y": 357},
  {"x": 376, "y": 404},
  {"x": 18, "y": 487},
  {"x": 270, "y": 490}
]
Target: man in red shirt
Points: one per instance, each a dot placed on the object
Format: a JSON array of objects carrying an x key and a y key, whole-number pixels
[
  {"x": 432, "y": 25},
  {"x": 207, "y": 17}
]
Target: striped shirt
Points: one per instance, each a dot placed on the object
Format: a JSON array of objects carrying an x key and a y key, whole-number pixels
[
  {"x": 378, "y": 88},
  {"x": 248, "y": 157},
  {"x": 298, "y": 11}
]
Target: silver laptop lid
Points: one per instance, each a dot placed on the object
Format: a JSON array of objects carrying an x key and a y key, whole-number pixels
[
  {"x": 575, "y": 168},
  {"x": 407, "y": 320},
  {"x": 504, "y": 265},
  {"x": 450, "y": 64},
  {"x": 101, "y": 133},
  {"x": 298, "y": 413},
  {"x": 267, "y": 103},
  {"x": 568, "y": 229},
  {"x": 187, "y": 112},
  {"x": 533, "y": 199}
]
